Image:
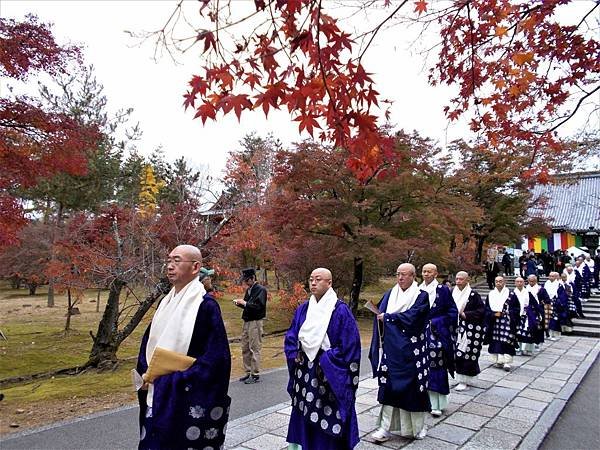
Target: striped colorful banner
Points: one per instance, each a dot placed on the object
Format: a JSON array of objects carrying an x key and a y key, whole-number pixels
[
  {"x": 551, "y": 243},
  {"x": 537, "y": 245}
]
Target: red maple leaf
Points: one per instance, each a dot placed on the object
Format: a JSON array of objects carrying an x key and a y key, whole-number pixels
[{"x": 421, "y": 6}]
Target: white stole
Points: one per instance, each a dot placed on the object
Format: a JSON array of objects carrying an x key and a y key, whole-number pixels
[
  {"x": 313, "y": 332},
  {"x": 533, "y": 289},
  {"x": 431, "y": 290},
  {"x": 498, "y": 298},
  {"x": 400, "y": 301},
  {"x": 173, "y": 322},
  {"x": 552, "y": 288},
  {"x": 461, "y": 298},
  {"x": 523, "y": 296}
]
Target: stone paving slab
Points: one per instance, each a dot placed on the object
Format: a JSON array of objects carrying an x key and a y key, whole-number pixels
[{"x": 507, "y": 410}]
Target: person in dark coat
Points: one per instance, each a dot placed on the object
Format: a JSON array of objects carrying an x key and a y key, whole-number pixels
[
  {"x": 492, "y": 269},
  {"x": 188, "y": 408},
  {"x": 471, "y": 313},
  {"x": 254, "y": 305}
]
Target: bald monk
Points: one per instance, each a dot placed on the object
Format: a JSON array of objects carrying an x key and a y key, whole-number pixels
[
  {"x": 189, "y": 408},
  {"x": 322, "y": 348}
]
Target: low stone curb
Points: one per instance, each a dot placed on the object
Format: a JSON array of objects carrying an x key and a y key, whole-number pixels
[{"x": 542, "y": 427}]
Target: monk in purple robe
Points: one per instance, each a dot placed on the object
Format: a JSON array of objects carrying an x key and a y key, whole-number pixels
[
  {"x": 322, "y": 348},
  {"x": 189, "y": 408}
]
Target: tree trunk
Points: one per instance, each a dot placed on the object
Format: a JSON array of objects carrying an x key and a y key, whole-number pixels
[
  {"x": 104, "y": 349},
  {"x": 109, "y": 338},
  {"x": 357, "y": 282},
  {"x": 69, "y": 306},
  {"x": 51, "y": 294},
  {"x": 479, "y": 250},
  {"x": 98, "y": 301},
  {"x": 32, "y": 287}
]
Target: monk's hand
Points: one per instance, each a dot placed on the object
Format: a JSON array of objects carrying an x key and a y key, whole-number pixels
[
  {"x": 146, "y": 383},
  {"x": 380, "y": 316}
]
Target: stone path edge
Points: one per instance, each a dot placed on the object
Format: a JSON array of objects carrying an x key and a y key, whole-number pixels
[{"x": 544, "y": 424}]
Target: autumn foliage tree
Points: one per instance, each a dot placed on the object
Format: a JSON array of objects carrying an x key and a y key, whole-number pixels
[
  {"x": 519, "y": 69},
  {"x": 35, "y": 142},
  {"x": 323, "y": 216}
]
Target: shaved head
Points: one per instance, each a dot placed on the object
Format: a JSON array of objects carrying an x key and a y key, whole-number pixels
[
  {"x": 319, "y": 282},
  {"x": 406, "y": 275},
  {"x": 190, "y": 251},
  {"x": 429, "y": 272}
]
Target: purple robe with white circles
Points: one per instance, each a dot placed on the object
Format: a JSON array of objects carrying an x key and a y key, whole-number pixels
[
  {"x": 441, "y": 340},
  {"x": 323, "y": 391}
]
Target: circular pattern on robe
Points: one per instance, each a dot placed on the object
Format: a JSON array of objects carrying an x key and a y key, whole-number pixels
[
  {"x": 473, "y": 357},
  {"x": 299, "y": 373},
  {"x": 470, "y": 326},
  {"x": 458, "y": 352},
  {"x": 318, "y": 403},
  {"x": 208, "y": 448},
  {"x": 324, "y": 424},
  {"x": 314, "y": 417},
  {"x": 469, "y": 334},
  {"x": 294, "y": 401},
  {"x": 336, "y": 429},
  {"x": 310, "y": 397},
  {"x": 353, "y": 367},
  {"x": 303, "y": 392},
  {"x": 192, "y": 433},
  {"x": 306, "y": 377},
  {"x": 301, "y": 405},
  {"x": 478, "y": 328},
  {"x": 216, "y": 413},
  {"x": 322, "y": 390},
  {"x": 355, "y": 380},
  {"x": 433, "y": 364},
  {"x": 143, "y": 433},
  {"x": 314, "y": 383},
  {"x": 475, "y": 350},
  {"x": 432, "y": 354},
  {"x": 297, "y": 387},
  {"x": 420, "y": 376},
  {"x": 338, "y": 416},
  {"x": 468, "y": 349},
  {"x": 305, "y": 410},
  {"x": 425, "y": 372},
  {"x": 327, "y": 410},
  {"x": 421, "y": 388},
  {"x": 477, "y": 335},
  {"x": 382, "y": 380},
  {"x": 311, "y": 364},
  {"x": 476, "y": 342}
]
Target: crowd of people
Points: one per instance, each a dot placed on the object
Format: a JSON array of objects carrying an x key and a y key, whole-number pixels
[{"x": 422, "y": 335}]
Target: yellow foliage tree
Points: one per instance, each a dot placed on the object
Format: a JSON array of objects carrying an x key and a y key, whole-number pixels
[{"x": 150, "y": 186}]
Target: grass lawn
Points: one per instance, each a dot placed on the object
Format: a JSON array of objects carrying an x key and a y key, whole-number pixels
[{"x": 36, "y": 343}]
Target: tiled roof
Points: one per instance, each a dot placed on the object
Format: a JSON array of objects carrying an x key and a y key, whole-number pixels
[{"x": 573, "y": 204}]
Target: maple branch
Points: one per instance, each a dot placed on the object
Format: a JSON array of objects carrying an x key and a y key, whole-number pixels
[
  {"x": 378, "y": 27},
  {"x": 321, "y": 67},
  {"x": 569, "y": 116}
]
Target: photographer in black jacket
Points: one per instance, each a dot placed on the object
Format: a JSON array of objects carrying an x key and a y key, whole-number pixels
[{"x": 254, "y": 304}]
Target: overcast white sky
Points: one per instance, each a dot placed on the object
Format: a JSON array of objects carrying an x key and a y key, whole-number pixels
[{"x": 154, "y": 89}]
